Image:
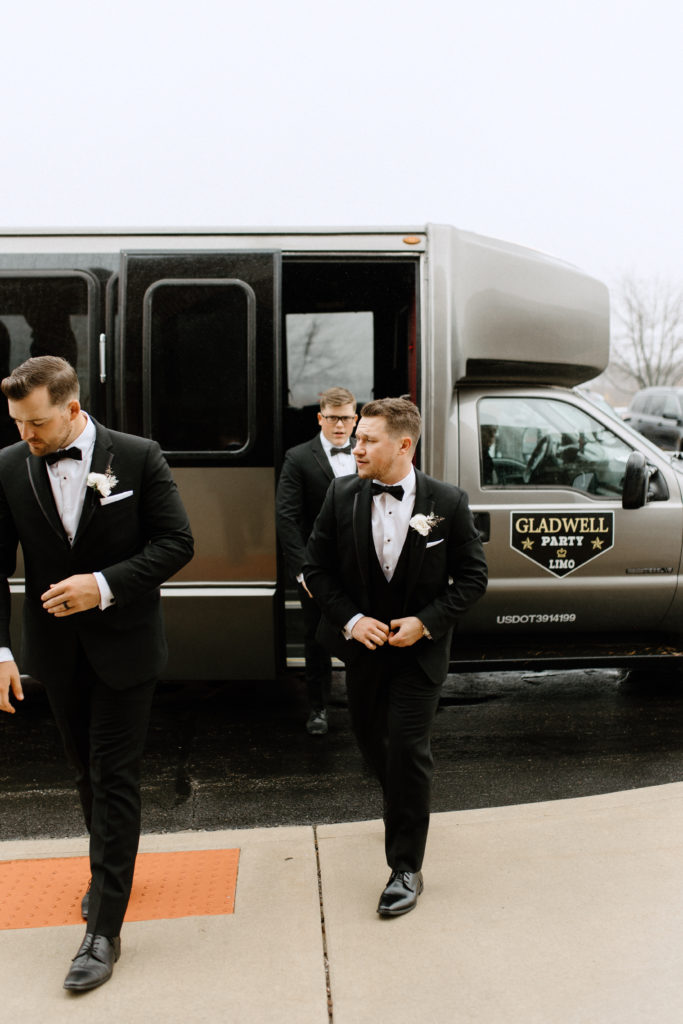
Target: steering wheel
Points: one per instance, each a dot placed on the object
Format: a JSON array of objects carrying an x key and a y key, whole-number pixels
[{"x": 538, "y": 456}]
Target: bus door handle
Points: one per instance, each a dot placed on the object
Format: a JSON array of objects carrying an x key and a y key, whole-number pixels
[{"x": 482, "y": 521}]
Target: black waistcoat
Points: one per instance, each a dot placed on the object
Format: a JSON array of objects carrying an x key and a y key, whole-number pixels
[{"x": 388, "y": 596}]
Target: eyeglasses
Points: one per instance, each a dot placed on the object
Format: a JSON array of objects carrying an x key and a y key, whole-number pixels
[{"x": 338, "y": 419}]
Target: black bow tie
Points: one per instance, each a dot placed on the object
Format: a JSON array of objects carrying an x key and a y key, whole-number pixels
[
  {"x": 64, "y": 453},
  {"x": 341, "y": 451},
  {"x": 396, "y": 490}
]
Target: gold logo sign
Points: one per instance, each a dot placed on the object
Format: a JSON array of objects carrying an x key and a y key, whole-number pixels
[{"x": 561, "y": 543}]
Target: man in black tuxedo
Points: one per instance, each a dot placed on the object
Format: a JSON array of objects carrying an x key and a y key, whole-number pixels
[
  {"x": 394, "y": 560},
  {"x": 101, "y": 526},
  {"x": 306, "y": 474}
]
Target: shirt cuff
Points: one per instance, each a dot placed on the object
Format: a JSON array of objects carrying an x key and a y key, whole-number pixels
[
  {"x": 349, "y": 626},
  {"x": 107, "y": 599},
  {"x": 6, "y": 654}
]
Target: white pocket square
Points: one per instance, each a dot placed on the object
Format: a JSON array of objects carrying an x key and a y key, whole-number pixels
[
  {"x": 115, "y": 497},
  {"x": 433, "y": 543}
]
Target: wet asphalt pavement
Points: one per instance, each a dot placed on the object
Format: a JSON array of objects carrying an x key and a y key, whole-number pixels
[{"x": 236, "y": 755}]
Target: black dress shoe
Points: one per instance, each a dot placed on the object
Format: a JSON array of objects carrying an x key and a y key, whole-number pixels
[
  {"x": 317, "y": 722},
  {"x": 93, "y": 963},
  {"x": 85, "y": 902},
  {"x": 401, "y": 893}
]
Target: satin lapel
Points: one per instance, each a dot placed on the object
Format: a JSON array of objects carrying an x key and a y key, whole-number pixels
[
  {"x": 102, "y": 460},
  {"x": 362, "y": 529},
  {"x": 321, "y": 458},
  {"x": 424, "y": 503},
  {"x": 37, "y": 474}
]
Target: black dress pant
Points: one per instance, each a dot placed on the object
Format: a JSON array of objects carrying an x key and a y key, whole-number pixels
[
  {"x": 103, "y": 731},
  {"x": 318, "y": 660},
  {"x": 392, "y": 704}
]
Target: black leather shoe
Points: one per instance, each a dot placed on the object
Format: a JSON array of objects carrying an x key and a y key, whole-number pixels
[
  {"x": 85, "y": 902},
  {"x": 93, "y": 963},
  {"x": 317, "y": 722},
  {"x": 401, "y": 893}
]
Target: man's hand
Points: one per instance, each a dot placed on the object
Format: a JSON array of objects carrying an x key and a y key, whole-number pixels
[
  {"x": 9, "y": 680},
  {"x": 406, "y": 632},
  {"x": 75, "y": 594},
  {"x": 370, "y": 632}
]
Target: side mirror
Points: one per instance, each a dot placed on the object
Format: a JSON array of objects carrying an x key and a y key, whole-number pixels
[{"x": 636, "y": 480}]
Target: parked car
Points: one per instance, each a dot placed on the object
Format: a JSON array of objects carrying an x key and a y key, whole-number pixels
[{"x": 657, "y": 413}]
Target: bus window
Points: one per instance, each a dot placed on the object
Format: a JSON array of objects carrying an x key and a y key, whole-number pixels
[
  {"x": 546, "y": 442},
  {"x": 199, "y": 346},
  {"x": 324, "y": 348},
  {"x": 44, "y": 314}
]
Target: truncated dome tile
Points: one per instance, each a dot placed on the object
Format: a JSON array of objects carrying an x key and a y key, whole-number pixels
[{"x": 192, "y": 883}]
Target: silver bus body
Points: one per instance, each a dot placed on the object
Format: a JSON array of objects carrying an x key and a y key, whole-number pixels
[{"x": 217, "y": 343}]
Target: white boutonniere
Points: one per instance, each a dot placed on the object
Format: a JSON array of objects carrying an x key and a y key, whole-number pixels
[
  {"x": 425, "y": 524},
  {"x": 102, "y": 483}
]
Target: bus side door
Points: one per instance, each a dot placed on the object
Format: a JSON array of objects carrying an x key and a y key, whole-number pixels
[{"x": 196, "y": 371}]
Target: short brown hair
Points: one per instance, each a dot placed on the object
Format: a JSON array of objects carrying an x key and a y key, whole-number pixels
[
  {"x": 402, "y": 416},
  {"x": 336, "y": 397},
  {"x": 58, "y": 376}
]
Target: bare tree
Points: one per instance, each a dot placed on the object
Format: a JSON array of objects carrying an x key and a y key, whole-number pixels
[{"x": 647, "y": 332}]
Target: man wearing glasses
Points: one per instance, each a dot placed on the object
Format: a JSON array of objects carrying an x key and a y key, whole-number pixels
[{"x": 307, "y": 472}]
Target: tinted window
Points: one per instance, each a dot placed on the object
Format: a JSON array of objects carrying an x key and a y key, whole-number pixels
[
  {"x": 199, "y": 343},
  {"x": 538, "y": 441},
  {"x": 44, "y": 314}
]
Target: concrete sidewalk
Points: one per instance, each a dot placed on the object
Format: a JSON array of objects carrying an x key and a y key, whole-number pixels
[{"x": 568, "y": 912}]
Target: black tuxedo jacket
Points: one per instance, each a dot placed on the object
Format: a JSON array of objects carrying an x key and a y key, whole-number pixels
[
  {"x": 136, "y": 542},
  {"x": 446, "y": 570},
  {"x": 306, "y": 475}
]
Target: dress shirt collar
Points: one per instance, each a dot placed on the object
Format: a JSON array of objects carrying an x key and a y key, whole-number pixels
[
  {"x": 341, "y": 463},
  {"x": 409, "y": 485},
  {"x": 85, "y": 442},
  {"x": 328, "y": 446}
]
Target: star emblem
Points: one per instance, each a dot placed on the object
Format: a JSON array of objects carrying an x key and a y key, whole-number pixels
[
  {"x": 597, "y": 544},
  {"x": 527, "y": 544}
]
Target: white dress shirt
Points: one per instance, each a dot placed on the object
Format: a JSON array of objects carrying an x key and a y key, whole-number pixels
[
  {"x": 390, "y": 519},
  {"x": 69, "y": 482},
  {"x": 342, "y": 464},
  {"x": 69, "y": 479}
]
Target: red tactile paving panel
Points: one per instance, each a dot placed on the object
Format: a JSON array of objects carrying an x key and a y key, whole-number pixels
[{"x": 46, "y": 893}]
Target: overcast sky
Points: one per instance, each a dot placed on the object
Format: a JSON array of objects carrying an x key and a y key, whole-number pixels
[{"x": 554, "y": 125}]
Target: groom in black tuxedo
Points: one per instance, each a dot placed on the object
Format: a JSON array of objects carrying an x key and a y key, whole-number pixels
[
  {"x": 101, "y": 527},
  {"x": 394, "y": 560}
]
